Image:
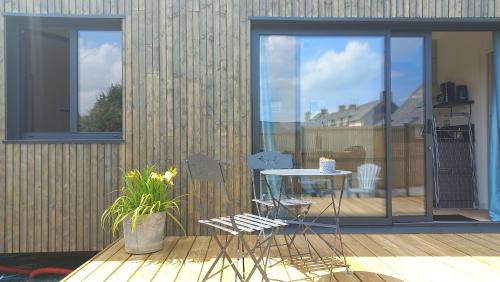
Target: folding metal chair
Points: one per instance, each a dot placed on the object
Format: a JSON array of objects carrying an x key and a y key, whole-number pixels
[
  {"x": 206, "y": 169},
  {"x": 277, "y": 199}
]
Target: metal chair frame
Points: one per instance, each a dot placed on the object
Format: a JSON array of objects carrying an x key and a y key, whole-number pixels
[
  {"x": 297, "y": 207},
  {"x": 337, "y": 246},
  {"x": 203, "y": 168},
  {"x": 274, "y": 160}
]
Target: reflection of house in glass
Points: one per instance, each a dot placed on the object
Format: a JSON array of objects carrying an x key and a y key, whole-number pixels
[
  {"x": 410, "y": 111},
  {"x": 368, "y": 114},
  {"x": 372, "y": 113}
]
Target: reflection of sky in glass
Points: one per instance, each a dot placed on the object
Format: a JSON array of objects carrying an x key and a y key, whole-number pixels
[
  {"x": 407, "y": 58},
  {"x": 340, "y": 71},
  {"x": 99, "y": 65},
  {"x": 322, "y": 71}
]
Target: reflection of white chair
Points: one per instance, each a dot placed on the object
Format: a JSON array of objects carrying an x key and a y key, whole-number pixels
[{"x": 367, "y": 176}]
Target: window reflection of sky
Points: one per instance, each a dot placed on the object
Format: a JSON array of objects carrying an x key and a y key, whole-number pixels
[
  {"x": 406, "y": 67},
  {"x": 333, "y": 71},
  {"x": 99, "y": 64}
]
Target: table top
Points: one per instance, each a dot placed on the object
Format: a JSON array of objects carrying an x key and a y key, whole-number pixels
[{"x": 303, "y": 172}]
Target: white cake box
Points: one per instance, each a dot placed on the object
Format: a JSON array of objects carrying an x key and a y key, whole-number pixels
[{"x": 326, "y": 166}]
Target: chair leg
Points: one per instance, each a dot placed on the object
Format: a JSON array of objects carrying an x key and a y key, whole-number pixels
[
  {"x": 219, "y": 256},
  {"x": 268, "y": 249},
  {"x": 224, "y": 253},
  {"x": 255, "y": 260}
]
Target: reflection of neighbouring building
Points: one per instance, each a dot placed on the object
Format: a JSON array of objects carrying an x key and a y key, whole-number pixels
[
  {"x": 348, "y": 116},
  {"x": 359, "y": 139}
]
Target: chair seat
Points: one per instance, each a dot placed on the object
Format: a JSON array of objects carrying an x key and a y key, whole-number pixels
[
  {"x": 245, "y": 222},
  {"x": 290, "y": 202}
]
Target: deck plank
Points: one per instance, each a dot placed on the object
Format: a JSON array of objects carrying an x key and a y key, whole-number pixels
[
  {"x": 91, "y": 265},
  {"x": 175, "y": 261},
  {"x": 109, "y": 267},
  {"x": 383, "y": 253},
  {"x": 365, "y": 259},
  {"x": 153, "y": 263},
  {"x": 195, "y": 259},
  {"x": 475, "y": 270},
  {"x": 372, "y": 257}
]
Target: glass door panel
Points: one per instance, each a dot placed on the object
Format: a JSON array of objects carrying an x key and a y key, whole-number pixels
[
  {"x": 324, "y": 96},
  {"x": 407, "y": 125}
]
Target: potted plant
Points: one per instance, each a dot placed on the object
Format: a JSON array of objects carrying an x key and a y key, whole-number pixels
[{"x": 142, "y": 208}]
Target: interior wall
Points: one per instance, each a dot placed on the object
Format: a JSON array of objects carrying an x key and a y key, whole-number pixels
[
  {"x": 47, "y": 79},
  {"x": 462, "y": 58}
]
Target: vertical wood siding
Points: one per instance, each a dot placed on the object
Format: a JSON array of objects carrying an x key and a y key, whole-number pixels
[{"x": 186, "y": 90}]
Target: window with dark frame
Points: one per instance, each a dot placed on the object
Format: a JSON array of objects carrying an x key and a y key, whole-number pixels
[{"x": 64, "y": 78}]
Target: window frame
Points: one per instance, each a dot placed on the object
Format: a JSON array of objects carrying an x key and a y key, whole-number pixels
[
  {"x": 15, "y": 67},
  {"x": 275, "y": 29}
]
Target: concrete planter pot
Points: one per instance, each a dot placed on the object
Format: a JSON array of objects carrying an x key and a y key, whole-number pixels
[{"x": 147, "y": 236}]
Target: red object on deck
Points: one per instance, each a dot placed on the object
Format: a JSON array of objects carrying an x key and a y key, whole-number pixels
[
  {"x": 35, "y": 272},
  {"x": 12, "y": 269},
  {"x": 49, "y": 270}
]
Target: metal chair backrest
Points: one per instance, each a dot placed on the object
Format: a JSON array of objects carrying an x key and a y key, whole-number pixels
[
  {"x": 266, "y": 160},
  {"x": 269, "y": 160},
  {"x": 204, "y": 168},
  {"x": 368, "y": 176}
]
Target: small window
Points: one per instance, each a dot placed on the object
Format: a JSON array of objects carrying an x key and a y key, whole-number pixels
[{"x": 64, "y": 78}]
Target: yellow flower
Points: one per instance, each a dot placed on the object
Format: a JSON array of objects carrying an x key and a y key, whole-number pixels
[
  {"x": 169, "y": 175},
  {"x": 156, "y": 176},
  {"x": 132, "y": 174}
]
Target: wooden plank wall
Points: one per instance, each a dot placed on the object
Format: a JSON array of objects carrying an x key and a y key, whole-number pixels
[{"x": 187, "y": 90}]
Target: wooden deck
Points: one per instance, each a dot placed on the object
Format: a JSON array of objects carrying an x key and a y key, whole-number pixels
[{"x": 380, "y": 257}]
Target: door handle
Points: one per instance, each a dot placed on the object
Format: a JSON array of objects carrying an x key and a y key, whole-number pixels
[{"x": 429, "y": 126}]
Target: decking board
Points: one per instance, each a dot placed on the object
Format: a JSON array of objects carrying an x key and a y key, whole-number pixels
[{"x": 372, "y": 257}]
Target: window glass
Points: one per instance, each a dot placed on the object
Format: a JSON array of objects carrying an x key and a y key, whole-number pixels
[
  {"x": 323, "y": 96},
  {"x": 99, "y": 81},
  {"x": 47, "y": 80},
  {"x": 407, "y": 123},
  {"x": 65, "y": 78}
]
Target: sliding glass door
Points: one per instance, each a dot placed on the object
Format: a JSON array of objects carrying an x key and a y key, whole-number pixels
[
  {"x": 410, "y": 141},
  {"x": 325, "y": 95}
]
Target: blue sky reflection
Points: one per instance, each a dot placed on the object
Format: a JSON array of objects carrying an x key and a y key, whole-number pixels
[{"x": 302, "y": 74}]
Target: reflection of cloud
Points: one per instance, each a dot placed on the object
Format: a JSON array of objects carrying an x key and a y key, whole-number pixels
[
  {"x": 278, "y": 68},
  {"x": 99, "y": 67},
  {"x": 280, "y": 56},
  {"x": 354, "y": 75},
  {"x": 345, "y": 69}
]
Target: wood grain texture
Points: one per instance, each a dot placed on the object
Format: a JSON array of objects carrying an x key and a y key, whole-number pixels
[
  {"x": 372, "y": 257},
  {"x": 186, "y": 74}
]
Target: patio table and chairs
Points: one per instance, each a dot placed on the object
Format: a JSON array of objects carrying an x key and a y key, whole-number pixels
[
  {"x": 204, "y": 169},
  {"x": 278, "y": 201},
  {"x": 307, "y": 225},
  {"x": 273, "y": 168}
]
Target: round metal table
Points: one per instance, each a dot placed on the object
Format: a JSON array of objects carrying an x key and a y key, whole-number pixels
[{"x": 308, "y": 225}]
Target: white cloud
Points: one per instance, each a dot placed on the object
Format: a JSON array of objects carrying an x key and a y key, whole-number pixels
[
  {"x": 354, "y": 65},
  {"x": 354, "y": 75},
  {"x": 99, "y": 67},
  {"x": 280, "y": 54}
]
